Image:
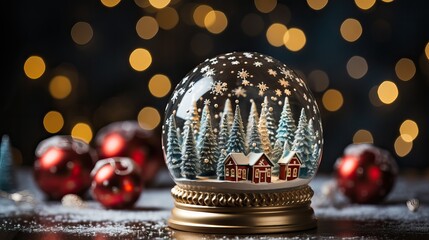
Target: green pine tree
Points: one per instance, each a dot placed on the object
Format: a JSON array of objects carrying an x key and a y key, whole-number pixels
[
  {"x": 236, "y": 141},
  {"x": 207, "y": 145},
  {"x": 190, "y": 165},
  {"x": 302, "y": 144},
  {"x": 287, "y": 126},
  {"x": 271, "y": 123},
  {"x": 174, "y": 155},
  {"x": 222, "y": 142}
]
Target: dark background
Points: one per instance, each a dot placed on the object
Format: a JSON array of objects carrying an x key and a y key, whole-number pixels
[{"x": 106, "y": 89}]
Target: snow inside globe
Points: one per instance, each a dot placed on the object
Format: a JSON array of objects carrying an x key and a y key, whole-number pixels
[{"x": 242, "y": 121}]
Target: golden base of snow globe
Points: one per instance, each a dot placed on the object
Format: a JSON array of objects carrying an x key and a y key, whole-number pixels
[{"x": 211, "y": 210}]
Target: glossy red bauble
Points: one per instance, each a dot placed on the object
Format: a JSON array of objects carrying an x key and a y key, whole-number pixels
[
  {"x": 63, "y": 166},
  {"x": 128, "y": 139},
  {"x": 365, "y": 173},
  {"x": 116, "y": 182}
]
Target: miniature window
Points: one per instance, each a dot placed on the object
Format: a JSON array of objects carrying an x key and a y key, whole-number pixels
[
  {"x": 244, "y": 174},
  {"x": 257, "y": 173},
  {"x": 232, "y": 173},
  {"x": 295, "y": 172},
  {"x": 288, "y": 172},
  {"x": 239, "y": 173},
  {"x": 268, "y": 172},
  {"x": 227, "y": 172}
]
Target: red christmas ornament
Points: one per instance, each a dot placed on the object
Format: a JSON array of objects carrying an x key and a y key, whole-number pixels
[
  {"x": 63, "y": 166},
  {"x": 116, "y": 182},
  {"x": 365, "y": 173},
  {"x": 128, "y": 139}
]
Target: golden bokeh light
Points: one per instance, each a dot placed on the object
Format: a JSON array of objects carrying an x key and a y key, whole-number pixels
[
  {"x": 357, "y": 67},
  {"x": 60, "y": 87},
  {"x": 148, "y": 118},
  {"x": 159, "y": 85},
  {"x": 142, "y": 3},
  {"x": 387, "y": 92},
  {"x": 265, "y": 6},
  {"x": 82, "y": 131},
  {"x": 402, "y": 148},
  {"x": 365, "y": 4},
  {"x": 110, "y": 3},
  {"x": 275, "y": 34},
  {"x": 159, "y": 3},
  {"x": 427, "y": 50},
  {"x": 34, "y": 67},
  {"x": 53, "y": 122},
  {"x": 363, "y": 136},
  {"x": 405, "y": 69},
  {"x": 140, "y": 59},
  {"x": 317, "y": 4},
  {"x": 318, "y": 80},
  {"x": 332, "y": 100},
  {"x": 167, "y": 18},
  {"x": 351, "y": 30},
  {"x": 81, "y": 33},
  {"x": 215, "y": 22},
  {"x": 373, "y": 97},
  {"x": 409, "y": 130},
  {"x": 147, "y": 27},
  {"x": 387, "y": 1},
  {"x": 294, "y": 39},
  {"x": 200, "y": 14}
]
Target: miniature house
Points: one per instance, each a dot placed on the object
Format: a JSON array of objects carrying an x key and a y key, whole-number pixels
[
  {"x": 236, "y": 167},
  {"x": 260, "y": 168},
  {"x": 289, "y": 166}
]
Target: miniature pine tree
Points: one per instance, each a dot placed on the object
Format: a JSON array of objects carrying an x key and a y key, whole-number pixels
[
  {"x": 302, "y": 143},
  {"x": 7, "y": 180},
  {"x": 173, "y": 148},
  {"x": 222, "y": 142},
  {"x": 203, "y": 123},
  {"x": 312, "y": 139},
  {"x": 220, "y": 170},
  {"x": 179, "y": 136},
  {"x": 190, "y": 165},
  {"x": 253, "y": 135},
  {"x": 287, "y": 126},
  {"x": 271, "y": 123},
  {"x": 253, "y": 119},
  {"x": 236, "y": 141},
  {"x": 275, "y": 156},
  {"x": 195, "y": 119},
  {"x": 227, "y": 110},
  {"x": 314, "y": 158},
  {"x": 207, "y": 146},
  {"x": 263, "y": 131}
]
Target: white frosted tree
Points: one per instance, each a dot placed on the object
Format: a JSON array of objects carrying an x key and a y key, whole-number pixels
[
  {"x": 7, "y": 174},
  {"x": 271, "y": 123},
  {"x": 302, "y": 144},
  {"x": 253, "y": 135},
  {"x": 287, "y": 126},
  {"x": 314, "y": 158},
  {"x": 311, "y": 166},
  {"x": 236, "y": 141},
  {"x": 195, "y": 119},
  {"x": 203, "y": 123},
  {"x": 275, "y": 157},
  {"x": 222, "y": 142},
  {"x": 190, "y": 165},
  {"x": 263, "y": 131},
  {"x": 227, "y": 110},
  {"x": 206, "y": 145},
  {"x": 252, "y": 119},
  {"x": 179, "y": 136},
  {"x": 173, "y": 148}
]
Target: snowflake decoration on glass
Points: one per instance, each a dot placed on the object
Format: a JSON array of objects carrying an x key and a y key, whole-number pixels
[
  {"x": 272, "y": 72},
  {"x": 262, "y": 88},
  {"x": 175, "y": 96},
  {"x": 278, "y": 92},
  {"x": 284, "y": 82},
  {"x": 248, "y": 55},
  {"x": 235, "y": 63},
  {"x": 209, "y": 72},
  {"x": 268, "y": 59},
  {"x": 243, "y": 74},
  {"x": 245, "y": 82},
  {"x": 257, "y": 64},
  {"x": 207, "y": 102},
  {"x": 240, "y": 92},
  {"x": 286, "y": 72},
  {"x": 218, "y": 88},
  {"x": 287, "y": 92},
  {"x": 231, "y": 58}
]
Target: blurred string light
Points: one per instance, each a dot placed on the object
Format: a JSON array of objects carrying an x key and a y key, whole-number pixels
[
  {"x": 265, "y": 6},
  {"x": 351, "y": 30},
  {"x": 294, "y": 39},
  {"x": 332, "y": 100},
  {"x": 159, "y": 85},
  {"x": 82, "y": 33},
  {"x": 427, "y": 50},
  {"x": 373, "y": 97},
  {"x": 317, "y": 4},
  {"x": 275, "y": 34},
  {"x": 215, "y": 22},
  {"x": 82, "y": 131},
  {"x": 357, "y": 67},
  {"x": 60, "y": 87},
  {"x": 53, "y": 122},
  {"x": 167, "y": 18},
  {"x": 363, "y": 136},
  {"x": 365, "y": 4},
  {"x": 402, "y": 147},
  {"x": 140, "y": 59},
  {"x": 148, "y": 118},
  {"x": 252, "y": 24},
  {"x": 159, "y": 4},
  {"x": 387, "y": 92},
  {"x": 200, "y": 14},
  {"x": 110, "y": 3},
  {"x": 147, "y": 27},
  {"x": 142, "y": 3},
  {"x": 409, "y": 130},
  {"x": 405, "y": 69},
  {"x": 387, "y": 1},
  {"x": 34, "y": 67},
  {"x": 318, "y": 80}
]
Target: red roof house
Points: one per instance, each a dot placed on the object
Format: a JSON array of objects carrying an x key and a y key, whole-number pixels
[
  {"x": 260, "y": 168},
  {"x": 289, "y": 166},
  {"x": 236, "y": 167}
]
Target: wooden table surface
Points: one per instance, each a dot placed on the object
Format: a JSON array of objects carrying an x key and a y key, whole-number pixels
[{"x": 337, "y": 219}]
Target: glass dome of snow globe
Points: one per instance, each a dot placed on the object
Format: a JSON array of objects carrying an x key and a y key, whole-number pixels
[{"x": 242, "y": 138}]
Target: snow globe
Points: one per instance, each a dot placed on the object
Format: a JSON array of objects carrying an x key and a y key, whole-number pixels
[{"x": 242, "y": 138}]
